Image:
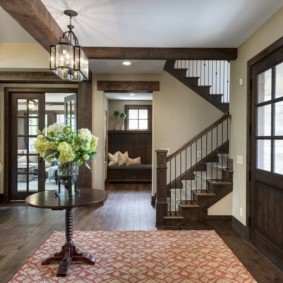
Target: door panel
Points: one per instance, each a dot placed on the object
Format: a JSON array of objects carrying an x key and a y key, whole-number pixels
[
  {"x": 27, "y": 174},
  {"x": 266, "y": 156}
]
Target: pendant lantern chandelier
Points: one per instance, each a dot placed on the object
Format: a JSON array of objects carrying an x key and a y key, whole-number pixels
[{"x": 67, "y": 58}]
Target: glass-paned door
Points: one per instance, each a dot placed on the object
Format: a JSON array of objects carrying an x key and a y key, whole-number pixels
[
  {"x": 27, "y": 116},
  {"x": 266, "y": 156}
]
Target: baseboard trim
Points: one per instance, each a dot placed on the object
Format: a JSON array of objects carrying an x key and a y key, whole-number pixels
[
  {"x": 239, "y": 228},
  {"x": 215, "y": 221},
  {"x": 210, "y": 222}
]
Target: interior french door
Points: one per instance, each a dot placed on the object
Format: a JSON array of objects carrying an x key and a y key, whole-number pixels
[
  {"x": 27, "y": 169},
  {"x": 266, "y": 156}
]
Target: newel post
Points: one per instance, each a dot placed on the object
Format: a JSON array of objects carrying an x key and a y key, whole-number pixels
[{"x": 161, "y": 194}]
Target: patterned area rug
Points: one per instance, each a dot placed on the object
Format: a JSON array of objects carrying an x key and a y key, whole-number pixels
[{"x": 141, "y": 256}]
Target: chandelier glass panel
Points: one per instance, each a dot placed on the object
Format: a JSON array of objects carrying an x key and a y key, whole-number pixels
[{"x": 67, "y": 58}]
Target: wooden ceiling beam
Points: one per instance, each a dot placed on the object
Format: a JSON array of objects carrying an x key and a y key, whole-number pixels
[
  {"x": 33, "y": 16},
  {"x": 31, "y": 77},
  {"x": 125, "y": 86},
  {"x": 136, "y": 53}
]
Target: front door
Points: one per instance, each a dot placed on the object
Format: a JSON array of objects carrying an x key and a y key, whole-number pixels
[
  {"x": 266, "y": 156},
  {"x": 27, "y": 116}
]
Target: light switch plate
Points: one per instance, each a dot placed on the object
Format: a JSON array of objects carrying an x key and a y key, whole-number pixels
[{"x": 240, "y": 159}]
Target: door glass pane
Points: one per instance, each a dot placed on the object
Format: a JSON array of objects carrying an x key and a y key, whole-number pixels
[
  {"x": 33, "y": 126},
  {"x": 264, "y": 155},
  {"x": 279, "y": 118},
  {"x": 264, "y": 120},
  {"x": 22, "y": 143},
  {"x": 278, "y": 157},
  {"x": 264, "y": 86},
  {"x": 21, "y": 126},
  {"x": 60, "y": 119},
  {"x": 279, "y": 81},
  {"x": 22, "y": 106},
  {"x": 33, "y": 106}
]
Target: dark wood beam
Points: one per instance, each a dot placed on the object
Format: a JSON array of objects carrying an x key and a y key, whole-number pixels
[
  {"x": 33, "y": 16},
  {"x": 31, "y": 77},
  {"x": 161, "y": 53},
  {"x": 119, "y": 86}
]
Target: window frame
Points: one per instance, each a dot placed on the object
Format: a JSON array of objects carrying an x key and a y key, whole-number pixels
[{"x": 138, "y": 107}]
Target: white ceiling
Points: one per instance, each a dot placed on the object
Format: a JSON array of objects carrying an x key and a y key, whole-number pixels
[{"x": 164, "y": 23}]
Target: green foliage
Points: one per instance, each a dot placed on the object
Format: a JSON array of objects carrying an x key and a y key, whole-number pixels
[{"x": 123, "y": 115}]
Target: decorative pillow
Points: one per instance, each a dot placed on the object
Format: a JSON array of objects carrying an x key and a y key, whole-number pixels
[
  {"x": 134, "y": 161},
  {"x": 113, "y": 158},
  {"x": 122, "y": 158}
]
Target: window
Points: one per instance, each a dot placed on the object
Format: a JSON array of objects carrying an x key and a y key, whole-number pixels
[{"x": 138, "y": 117}]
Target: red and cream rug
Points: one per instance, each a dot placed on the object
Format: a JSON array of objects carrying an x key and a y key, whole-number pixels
[{"x": 141, "y": 256}]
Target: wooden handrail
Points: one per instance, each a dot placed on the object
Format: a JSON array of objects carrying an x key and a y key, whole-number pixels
[{"x": 199, "y": 135}]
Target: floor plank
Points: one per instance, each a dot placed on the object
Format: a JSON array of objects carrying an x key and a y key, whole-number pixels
[{"x": 24, "y": 229}]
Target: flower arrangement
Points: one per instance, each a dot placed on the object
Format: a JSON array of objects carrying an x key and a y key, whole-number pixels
[{"x": 60, "y": 142}]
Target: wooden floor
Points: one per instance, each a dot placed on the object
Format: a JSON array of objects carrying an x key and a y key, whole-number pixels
[{"x": 24, "y": 229}]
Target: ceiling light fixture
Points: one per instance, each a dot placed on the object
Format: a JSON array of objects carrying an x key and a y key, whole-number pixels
[
  {"x": 126, "y": 63},
  {"x": 67, "y": 59}
]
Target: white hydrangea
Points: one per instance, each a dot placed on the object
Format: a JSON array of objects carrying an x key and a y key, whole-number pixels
[
  {"x": 55, "y": 128},
  {"x": 84, "y": 134}
]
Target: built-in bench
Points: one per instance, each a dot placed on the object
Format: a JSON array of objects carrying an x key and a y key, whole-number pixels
[
  {"x": 129, "y": 173},
  {"x": 138, "y": 144}
]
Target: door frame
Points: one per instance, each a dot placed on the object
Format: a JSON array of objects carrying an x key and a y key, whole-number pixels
[
  {"x": 8, "y": 128},
  {"x": 249, "y": 194}
]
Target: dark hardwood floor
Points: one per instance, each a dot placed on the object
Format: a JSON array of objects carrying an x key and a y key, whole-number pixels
[{"x": 24, "y": 229}]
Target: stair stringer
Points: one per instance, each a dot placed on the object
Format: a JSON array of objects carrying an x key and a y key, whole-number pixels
[{"x": 203, "y": 91}]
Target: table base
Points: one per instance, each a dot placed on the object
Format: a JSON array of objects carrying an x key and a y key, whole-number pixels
[{"x": 66, "y": 256}]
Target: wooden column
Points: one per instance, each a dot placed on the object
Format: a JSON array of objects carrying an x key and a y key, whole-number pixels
[
  {"x": 84, "y": 111},
  {"x": 161, "y": 195}
]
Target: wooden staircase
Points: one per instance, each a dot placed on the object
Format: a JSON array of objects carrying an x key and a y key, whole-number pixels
[
  {"x": 188, "y": 184},
  {"x": 193, "y": 83},
  {"x": 188, "y": 205}
]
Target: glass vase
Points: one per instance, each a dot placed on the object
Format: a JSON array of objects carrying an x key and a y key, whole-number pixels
[{"x": 68, "y": 174}]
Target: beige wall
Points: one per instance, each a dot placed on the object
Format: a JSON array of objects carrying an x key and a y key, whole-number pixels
[
  {"x": 21, "y": 56},
  {"x": 265, "y": 36}
]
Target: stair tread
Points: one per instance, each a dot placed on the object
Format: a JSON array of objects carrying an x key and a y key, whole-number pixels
[
  {"x": 173, "y": 217},
  {"x": 224, "y": 183},
  {"x": 203, "y": 194},
  {"x": 189, "y": 205}
]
